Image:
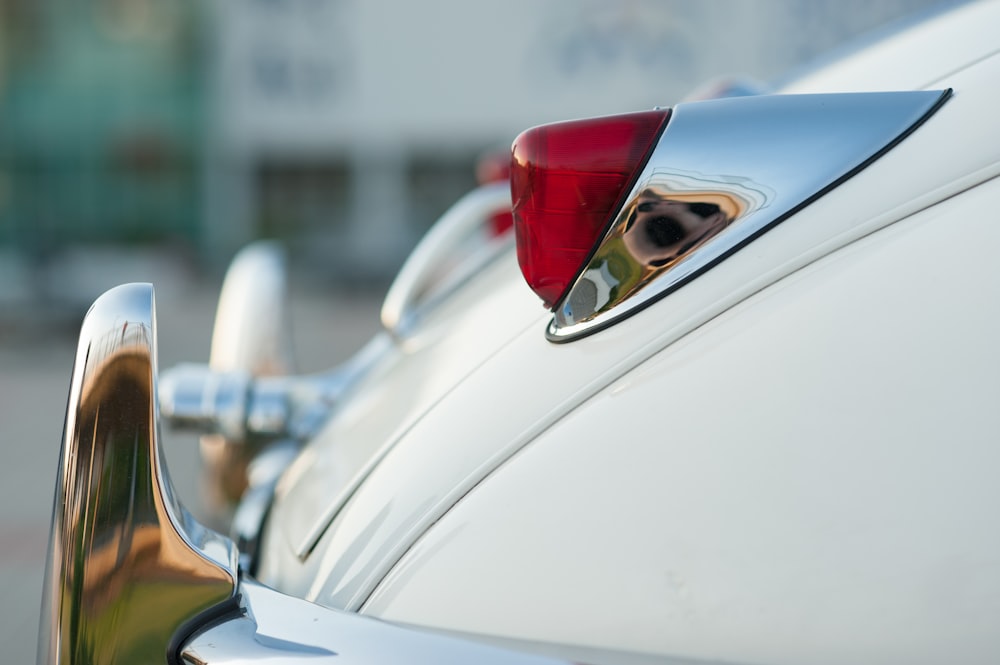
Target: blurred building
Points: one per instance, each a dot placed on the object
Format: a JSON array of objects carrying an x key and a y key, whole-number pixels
[
  {"x": 342, "y": 126},
  {"x": 101, "y": 110}
]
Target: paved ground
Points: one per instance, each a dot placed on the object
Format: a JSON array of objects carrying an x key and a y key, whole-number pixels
[{"x": 36, "y": 356}]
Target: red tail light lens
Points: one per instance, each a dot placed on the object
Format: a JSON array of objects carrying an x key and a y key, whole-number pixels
[{"x": 567, "y": 180}]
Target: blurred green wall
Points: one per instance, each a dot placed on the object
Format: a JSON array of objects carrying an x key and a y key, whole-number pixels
[{"x": 100, "y": 116}]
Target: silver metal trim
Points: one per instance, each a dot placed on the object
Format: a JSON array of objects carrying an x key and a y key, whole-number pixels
[
  {"x": 197, "y": 398},
  {"x": 252, "y": 330},
  {"x": 236, "y": 406},
  {"x": 273, "y": 627},
  {"x": 251, "y": 338},
  {"x": 757, "y": 160},
  {"x": 128, "y": 568}
]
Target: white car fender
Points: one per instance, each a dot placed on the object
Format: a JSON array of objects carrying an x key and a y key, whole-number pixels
[{"x": 799, "y": 469}]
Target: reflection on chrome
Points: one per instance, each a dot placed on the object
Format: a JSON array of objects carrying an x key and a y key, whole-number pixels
[
  {"x": 129, "y": 570},
  {"x": 724, "y": 172},
  {"x": 252, "y": 337},
  {"x": 239, "y": 407},
  {"x": 673, "y": 215}
]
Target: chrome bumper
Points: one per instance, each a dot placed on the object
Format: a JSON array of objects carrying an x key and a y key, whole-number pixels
[
  {"x": 132, "y": 579},
  {"x": 129, "y": 571}
]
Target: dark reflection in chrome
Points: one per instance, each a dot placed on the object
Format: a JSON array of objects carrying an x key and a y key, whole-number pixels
[
  {"x": 128, "y": 568},
  {"x": 673, "y": 215},
  {"x": 724, "y": 172}
]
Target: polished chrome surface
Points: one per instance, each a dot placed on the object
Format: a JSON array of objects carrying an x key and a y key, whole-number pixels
[
  {"x": 276, "y": 628},
  {"x": 277, "y": 413},
  {"x": 237, "y": 406},
  {"x": 724, "y": 172},
  {"x": 128, "y": 568},
  {"x": 195, "y": 397},
  {"x": 252, "y": 330},
  {"x": 252, "y": 338},
  {"x": 455, "y": 247}
]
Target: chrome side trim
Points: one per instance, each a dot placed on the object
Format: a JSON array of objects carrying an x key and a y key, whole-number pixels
[
  {"x": 128, "y": 568},
  {"x": 273, "y": 627},
  {"x": 724, "y": 172}
]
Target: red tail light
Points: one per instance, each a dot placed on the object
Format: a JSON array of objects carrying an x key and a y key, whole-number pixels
[{"x": 567, "y": 180}]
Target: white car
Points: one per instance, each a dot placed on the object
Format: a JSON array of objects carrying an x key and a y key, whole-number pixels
[{"x": 755, "y": 421}]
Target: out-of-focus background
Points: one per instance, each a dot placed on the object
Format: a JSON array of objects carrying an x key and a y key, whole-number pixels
[{"x": 147, "y": 140}]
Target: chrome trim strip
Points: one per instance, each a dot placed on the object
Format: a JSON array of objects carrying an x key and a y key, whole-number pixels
[
  {"x": 273, "y": 627},
  {"x": 128, "y": 568},
  {"x": 729, "y": 170}
]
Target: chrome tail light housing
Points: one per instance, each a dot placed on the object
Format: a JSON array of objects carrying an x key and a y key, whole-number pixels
[{"x": 607, "y": 227}]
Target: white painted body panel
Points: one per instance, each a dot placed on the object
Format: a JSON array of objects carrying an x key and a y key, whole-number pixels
[
  {"x": 808, "y": 477},
  {"x": 405, "y": 383},
  {"x": 787, "y": 460}
]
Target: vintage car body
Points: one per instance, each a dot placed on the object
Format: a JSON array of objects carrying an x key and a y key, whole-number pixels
[{"x": 778, "y": 446}]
